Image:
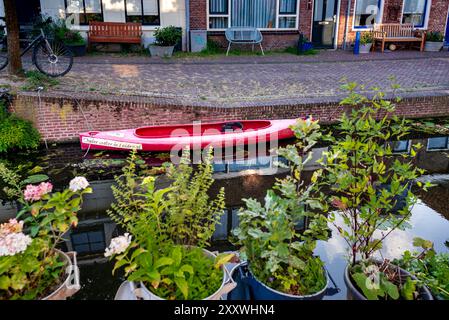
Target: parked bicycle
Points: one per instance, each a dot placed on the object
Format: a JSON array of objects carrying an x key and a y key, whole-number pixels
[{"x": 50, "y": 56}]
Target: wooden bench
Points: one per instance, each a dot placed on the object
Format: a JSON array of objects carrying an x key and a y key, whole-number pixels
[
  {"x": 395, "y": 32},
  {"x": 114, "y": 32},
  {"x": 244, "y": 35}
]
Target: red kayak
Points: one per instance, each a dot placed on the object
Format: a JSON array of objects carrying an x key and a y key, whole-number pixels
[{"x": 196, "y": 135}]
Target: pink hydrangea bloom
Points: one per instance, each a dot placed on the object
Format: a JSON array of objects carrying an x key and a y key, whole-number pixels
[{"x": 35, "y": 193}]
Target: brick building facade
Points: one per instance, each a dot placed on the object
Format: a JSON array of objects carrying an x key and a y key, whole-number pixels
[{"x": 311, "y": 15}]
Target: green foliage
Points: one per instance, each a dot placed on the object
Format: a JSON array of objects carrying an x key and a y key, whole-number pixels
[
  {"x": 29, "y": 275},
  {"x": 35, "y": 79},
  {"x": 382, "y": 282},
  {"x": 191, "y": 214},
  {"x": 431, "y": 268},
  {"x": 35, "y": 272},
  {"x": 279, "y": 255},
  {"x": 360, "y": 164},
  {"x": 434, "y": 36},
  {"x": 365, "y": 178},
  {"x": 16, "y": 133},
  {"x": 167, "y": 36},
  {"x": 169, "y": 227},
  {"x": 13, "y": 180},
  {"x": 366, "y": 38}
]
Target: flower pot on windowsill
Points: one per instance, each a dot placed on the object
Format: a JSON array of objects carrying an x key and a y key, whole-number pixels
[
  {"x": 161, "y": 51},
  {"x": 71, "y": 283},
  {"x": 227, "y": 285},
  {"x": 353, "y": 293},
  {"x": 433, "y": 46},
  {"x": 78, "y": 50},
  {"x": 365, "y": 48}
]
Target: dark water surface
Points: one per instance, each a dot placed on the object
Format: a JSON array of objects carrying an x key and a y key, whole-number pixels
[{"x": 241, "y": 179}]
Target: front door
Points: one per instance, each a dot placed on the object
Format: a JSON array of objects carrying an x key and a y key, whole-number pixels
[{"x": 324, "y": 23}]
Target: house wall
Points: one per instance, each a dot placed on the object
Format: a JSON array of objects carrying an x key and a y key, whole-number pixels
[
  {"x": 391, "y": 13},
  {"x": 172, "y": 12}
]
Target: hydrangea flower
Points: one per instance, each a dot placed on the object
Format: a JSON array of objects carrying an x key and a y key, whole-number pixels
[
  {"x": 118, "y": 245},
  {"x": 12, "y": 226},
  {"x": 12, "y": 240},
  {"x": 35, "y": 193},
  {"x": 78, "y": 184}
]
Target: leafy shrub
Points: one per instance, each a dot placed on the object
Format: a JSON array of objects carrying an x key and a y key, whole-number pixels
[
  {"x": 434, "y": 36},
  {"x": 16, "y": 133},
  {"x": 30, "y": 268},
  {"x": 167, "y": 229},
  {"x": 431, "y": 268},
  {"x": 279, "y": 255},
  {"x": 167, "y": 36},
  {"x": 366, "y": 38}
]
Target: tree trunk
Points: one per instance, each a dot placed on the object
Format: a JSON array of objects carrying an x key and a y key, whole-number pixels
[{"x": 12, "y": 27}]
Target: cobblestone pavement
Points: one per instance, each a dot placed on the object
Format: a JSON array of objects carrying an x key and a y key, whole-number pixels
[{"x": 248, "y": 80}]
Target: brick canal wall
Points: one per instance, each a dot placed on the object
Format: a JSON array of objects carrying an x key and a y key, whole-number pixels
[{"x": 61, "y": 119}]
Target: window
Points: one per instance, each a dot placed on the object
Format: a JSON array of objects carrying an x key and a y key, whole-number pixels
[
  {"x": 439, "y": 143},
  {"x": 401, "y": 146},
  {"x": 262, "y": 14},
  {"x": 367, "y": 13},
  {"x": 414, "y": 12},
  {"x": 88, "y": 241},
  {"x": 145, "y": 12},
  {"x": 88, "y": 10}
]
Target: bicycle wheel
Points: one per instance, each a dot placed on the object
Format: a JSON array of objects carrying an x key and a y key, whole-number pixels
[
  {"x": 54, "y": 59},
  {"x": 3, "y": 55}
]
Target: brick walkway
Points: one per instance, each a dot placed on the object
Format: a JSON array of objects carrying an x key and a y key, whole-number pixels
[{"x": 248, "y": 80}]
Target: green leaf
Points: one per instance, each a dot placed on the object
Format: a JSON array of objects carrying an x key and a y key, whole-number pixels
[
  {"x": 5, "y": 282},
  {"x": 408, "y": 289},
  {"x": 361, "y": 280},
  {"x": 183, "y": 286},
  {"x": 390, "y": 288},
  {"x": 164, "y": 261},
  {"x": 37, "y": 178},
  {"x": 422, "y": 243}
]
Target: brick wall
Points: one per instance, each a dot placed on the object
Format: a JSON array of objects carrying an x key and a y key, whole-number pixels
[
  {"x": 438, "y": 15},
  {"x": 198, "y": 15},
  {"x": 61, "y": 119}
]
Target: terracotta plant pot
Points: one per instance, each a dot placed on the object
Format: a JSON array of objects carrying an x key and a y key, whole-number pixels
[
  {"x": 355, "y": 294},
  {"x": 71, "y": 285}
]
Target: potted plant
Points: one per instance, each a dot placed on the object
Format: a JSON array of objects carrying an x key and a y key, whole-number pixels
[
  {"x": 31, "y": 266},
  {"x": 281, "y": 264},
  {"x": 166, "y": 39},
  {"x": 431, "y": 268},
  {"x": 72, "y": 39},
  {"x": 434, "y": 41},
  {"x": 359, "y": 160},
  {"x": 366, "y": 41},
  {"x": 304, "y": 45},
  {"x": 168, "y": 230}
]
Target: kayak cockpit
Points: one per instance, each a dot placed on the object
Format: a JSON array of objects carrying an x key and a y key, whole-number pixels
[{"x": 190, "y": 130}]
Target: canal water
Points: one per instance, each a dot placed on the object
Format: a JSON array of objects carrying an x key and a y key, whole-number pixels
[{"x": 242, "y": 177}]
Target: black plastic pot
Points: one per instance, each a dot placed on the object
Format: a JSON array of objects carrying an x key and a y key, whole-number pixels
[
  {"x": 77, "y": 50},
  {"x": 355, "y": 294}
]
